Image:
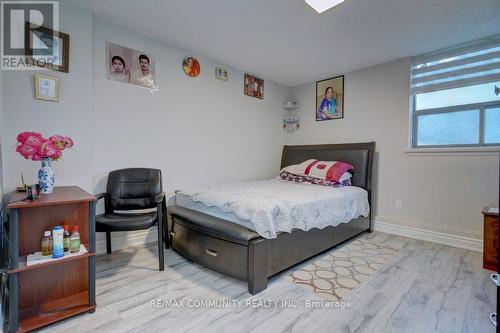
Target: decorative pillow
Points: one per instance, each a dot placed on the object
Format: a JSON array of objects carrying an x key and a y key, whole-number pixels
[
  {"x": 326, "y": 170},
  {"x": 285, "y": 175}
]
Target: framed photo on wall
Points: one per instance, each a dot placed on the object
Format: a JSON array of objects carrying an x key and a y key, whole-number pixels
[
  {"x": 330, "y": 98},
  {"x": 131, "y": 66},
  {"x": 253, "y": 86},
  {"x": 191, "y": 66},
  {"x": 46, "y": 88},
  {"x": 47, "y": 48},
  {"x": 221, "y": 73}
]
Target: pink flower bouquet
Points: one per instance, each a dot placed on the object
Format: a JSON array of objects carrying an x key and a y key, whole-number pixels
[{"x": 33, "y": 146}]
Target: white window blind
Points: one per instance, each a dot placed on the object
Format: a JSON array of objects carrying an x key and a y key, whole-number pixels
[
  {"x": 455, "y": 96},
  {"x": 470, "y": 64}
]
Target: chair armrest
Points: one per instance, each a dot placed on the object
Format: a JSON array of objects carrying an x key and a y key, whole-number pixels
[
  {"x": 100, "y": 196},
  {"x": 107, "y": 203},
  {"x": 160, "y": 197}
]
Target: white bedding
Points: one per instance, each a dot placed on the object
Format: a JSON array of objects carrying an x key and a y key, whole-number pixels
[
  {"x": 185, "y": 201},
  {"x": 275, "y": 205}
]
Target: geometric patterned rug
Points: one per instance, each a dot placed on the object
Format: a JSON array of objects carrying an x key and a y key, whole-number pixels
[{"x": 337, "y": 273}]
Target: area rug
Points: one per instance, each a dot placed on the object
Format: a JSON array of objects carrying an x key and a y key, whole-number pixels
[{"x": 337, "y": 273}]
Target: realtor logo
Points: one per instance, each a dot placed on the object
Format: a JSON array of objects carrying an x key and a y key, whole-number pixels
[{"x": 19, "y": 21}]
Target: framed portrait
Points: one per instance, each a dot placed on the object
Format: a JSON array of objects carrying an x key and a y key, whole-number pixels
[
  {"x": 46, "y": 48},
  {"x": 191, "y": 66},
  {"x": 131, "y": 66},
  {"x": 253, "y": 86},
  {"x": 330, "y": 99},
  {"x": 46, "y": 88},
  {"x": 221, "y": 73}
]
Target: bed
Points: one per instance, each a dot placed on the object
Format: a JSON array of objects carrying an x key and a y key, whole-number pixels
[{"x": 229, "y": 245}]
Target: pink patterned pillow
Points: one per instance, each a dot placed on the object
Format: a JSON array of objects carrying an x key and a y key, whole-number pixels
[
  {"x": 326, "y": 170},
  {"x": 284, "y": 175}
]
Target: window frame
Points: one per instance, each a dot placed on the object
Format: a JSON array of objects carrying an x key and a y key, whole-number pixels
[{"x": 481, "y": 107}]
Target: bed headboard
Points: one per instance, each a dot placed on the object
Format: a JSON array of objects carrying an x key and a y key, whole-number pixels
[{"x": 360, "y": 155}]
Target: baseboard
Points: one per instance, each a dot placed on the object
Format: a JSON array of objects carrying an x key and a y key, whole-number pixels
[
  {"x": 143, "y": 237},
  {"x": 121, "y": 240},
  {"x": 430, "y": 236}
]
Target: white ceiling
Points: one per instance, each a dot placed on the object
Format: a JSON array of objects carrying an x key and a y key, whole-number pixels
[{"x": 286, "y": 41}]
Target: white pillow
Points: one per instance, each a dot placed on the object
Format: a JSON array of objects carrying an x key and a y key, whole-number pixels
[
  {"x": 345, "y": 176},
  {"x": 298, "y": 169}
]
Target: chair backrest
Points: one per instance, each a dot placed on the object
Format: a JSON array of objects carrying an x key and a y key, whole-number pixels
[{"x": 133, "y": 188}]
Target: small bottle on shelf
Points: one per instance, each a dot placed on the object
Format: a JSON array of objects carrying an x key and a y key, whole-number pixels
[
  {"x": 57, "y": 242},
  {"x": 66, "y": 238},
  {"x": 75, "y": 240},
  {"x": 47, "y": 243}
]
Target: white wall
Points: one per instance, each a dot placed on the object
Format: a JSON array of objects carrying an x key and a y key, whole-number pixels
[
  {"x": 442, "y": 193},
  {"x": 201, "y": 131},
  {"x": 71, "y": 116},
  {"x": 196, "y": 130}
]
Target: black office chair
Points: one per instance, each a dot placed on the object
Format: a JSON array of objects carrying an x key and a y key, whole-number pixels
[{"x": 133, "y": 189}]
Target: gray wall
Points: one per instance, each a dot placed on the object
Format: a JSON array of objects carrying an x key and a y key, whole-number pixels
[
  {"x": 71, "y": 116},
  {"x": 440, "y": 192},
  {"x": 188, "y": 128},
  {"x": 202, "y": 131},
  {"x": 197, "y": 130}
]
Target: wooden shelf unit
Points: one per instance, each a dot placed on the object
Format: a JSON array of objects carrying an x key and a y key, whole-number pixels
[
  {"x": 45, "y": 293},
  {"x": 23, "y": 267},
  {"x": 54, "y": 311}
]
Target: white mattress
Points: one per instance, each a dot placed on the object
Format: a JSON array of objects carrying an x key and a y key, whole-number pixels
[{"x": 272, "y": 206}]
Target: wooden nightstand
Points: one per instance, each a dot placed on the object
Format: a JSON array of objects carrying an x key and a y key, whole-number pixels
[{"x": 490, "y": 239}]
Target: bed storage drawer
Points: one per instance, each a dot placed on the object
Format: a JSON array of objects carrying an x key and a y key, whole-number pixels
[{"x": 220, "y": 255}]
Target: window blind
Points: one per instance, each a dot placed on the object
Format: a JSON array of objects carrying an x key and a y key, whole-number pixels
[{"x": 468, "y": 64}]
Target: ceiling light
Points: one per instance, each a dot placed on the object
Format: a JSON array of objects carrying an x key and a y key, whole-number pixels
[{"x": 322, "y": 5}]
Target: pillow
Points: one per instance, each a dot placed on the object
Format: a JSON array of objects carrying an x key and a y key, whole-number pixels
[
  {"x": 285, "y": 175},
  {"x": 298, "y": 169},
  {"x": 326, "y": 170},
  {"x": 347, "y": 175}
]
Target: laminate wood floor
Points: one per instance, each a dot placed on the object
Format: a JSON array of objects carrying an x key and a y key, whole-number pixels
[{"x": 426, "y": 288}]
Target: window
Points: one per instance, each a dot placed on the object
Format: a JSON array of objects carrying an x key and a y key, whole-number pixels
[{"x": 455, "y": 96}]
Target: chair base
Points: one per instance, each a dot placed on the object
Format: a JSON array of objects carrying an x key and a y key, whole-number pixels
[
  {"x": 108, "y": 242},
  {"x": 160, "y": 246}
]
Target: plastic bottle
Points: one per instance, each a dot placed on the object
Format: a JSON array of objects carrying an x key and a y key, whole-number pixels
[
  {"x": 47, "y": 243},
  {"x": 75, "y": 240},
  {"x": 57, "y": 242},
  {"x": 66, "y": 238}
]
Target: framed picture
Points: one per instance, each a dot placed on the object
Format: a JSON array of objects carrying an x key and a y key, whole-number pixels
[
  {"x": 46, "y": 88},
  {"x": 253, "y": 86},
  {"x": 47, "y": 48},
  {"x": 221, "y": 73},
  {"x": 191, "y": 66},
  {"x": 330, "y": 99},
  {"x": 131, "y": 66}
]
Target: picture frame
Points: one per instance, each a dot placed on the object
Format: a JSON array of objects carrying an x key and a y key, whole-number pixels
[
  {"x": 131, "y": 66},
  {"x": 191, "y": 66},
  {"x": 46, "y": 88},
  {"x": 56, "y": 56},
  {"x": 330, "y": 98},
  {"x": 221, "y": 73},
  {"x": 253, "y": 86}
]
